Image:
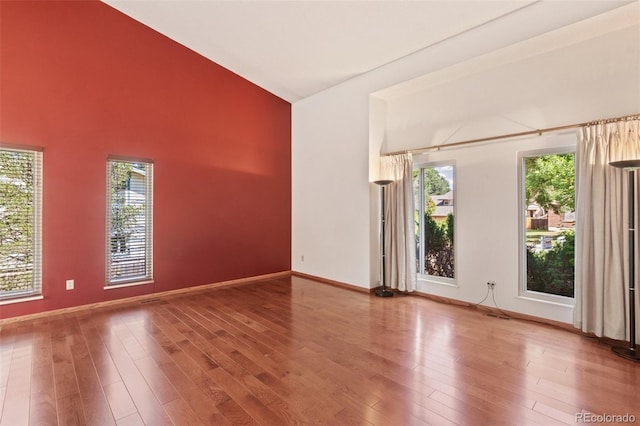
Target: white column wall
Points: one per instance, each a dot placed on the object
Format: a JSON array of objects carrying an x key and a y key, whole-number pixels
[{"x": 330, "y": 186}]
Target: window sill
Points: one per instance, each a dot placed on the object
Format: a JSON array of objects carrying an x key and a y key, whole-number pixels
[
  {"x": 448, "y": 282},
  {"x": 562, "y": 303},
  {"x": 21, "y": 299},
  {"x": 128, "y": 284}
]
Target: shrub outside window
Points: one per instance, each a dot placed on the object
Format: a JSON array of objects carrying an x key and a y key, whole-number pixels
[
  {"x": 547, "y": 229},
  {"x": 20, "y": 223},
  {"x": 434, "y": 218}
]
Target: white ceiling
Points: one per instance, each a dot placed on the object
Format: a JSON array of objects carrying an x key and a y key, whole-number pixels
[{"x": 297, "y": 48}]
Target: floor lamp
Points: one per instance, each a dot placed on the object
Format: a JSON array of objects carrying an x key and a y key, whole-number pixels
[
  {"x": 383, "y": 292},
  {"x": 631, "y": 166}
]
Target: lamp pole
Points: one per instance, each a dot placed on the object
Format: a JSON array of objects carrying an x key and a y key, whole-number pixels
[
  {"x": 383, "y": 292},
  {"x": 631, "y": 166}
]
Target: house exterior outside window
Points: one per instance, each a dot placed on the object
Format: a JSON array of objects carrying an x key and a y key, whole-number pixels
[
  {"x": 547, "y": 225},
  {"x": 129, "y": 222},
  {"x": 435, "y": 221}
]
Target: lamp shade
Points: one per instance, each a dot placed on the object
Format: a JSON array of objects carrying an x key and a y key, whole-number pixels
[{"x": 626, "y": 164}]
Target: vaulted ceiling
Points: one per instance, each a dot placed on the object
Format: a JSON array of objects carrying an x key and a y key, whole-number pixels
[{"x": 297, "y": 48}]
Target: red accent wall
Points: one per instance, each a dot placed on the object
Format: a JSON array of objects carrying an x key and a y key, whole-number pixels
[{"x": 83, "y": 81}]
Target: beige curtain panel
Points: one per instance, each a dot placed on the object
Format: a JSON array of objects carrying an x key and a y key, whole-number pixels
[
  {"x": 601, "y": 288},
  {"x": 400, "y": 239}
]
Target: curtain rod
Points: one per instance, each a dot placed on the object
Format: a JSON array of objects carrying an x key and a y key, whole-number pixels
[{"x": 538, "y": 132}]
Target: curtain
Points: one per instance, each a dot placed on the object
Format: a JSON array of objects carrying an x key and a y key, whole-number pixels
[
  {"x": 601, "y": 290},
  {"x": 400, "y": 241}
]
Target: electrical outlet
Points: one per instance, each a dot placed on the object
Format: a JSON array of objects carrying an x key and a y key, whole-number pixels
[
  {"x": 70, "y": 284},
  {"x": 491, "y": 284}
]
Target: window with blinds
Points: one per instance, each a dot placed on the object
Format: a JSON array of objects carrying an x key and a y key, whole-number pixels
[
  {"x": 129, "y": 222},
  {"x": 20, "y": 223}
]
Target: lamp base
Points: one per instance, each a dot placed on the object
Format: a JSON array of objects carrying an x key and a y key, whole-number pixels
[
  {"x": 627, "y": 353},
  {"x": 383, "y": 292}
]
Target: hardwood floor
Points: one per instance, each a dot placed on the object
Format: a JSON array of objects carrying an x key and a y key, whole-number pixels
[{"x": 293, "y": 351}]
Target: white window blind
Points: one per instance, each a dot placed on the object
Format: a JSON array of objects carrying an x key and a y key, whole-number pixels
[
  {"x": 20, "y": 223},
  {"x": 129, "y": 221}
]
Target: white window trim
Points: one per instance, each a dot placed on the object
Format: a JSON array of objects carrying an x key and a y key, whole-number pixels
[
  {"x": 36, "y": 292},
  {"x": 426, "y": 279},
  {"x": 148, "y": 277},
  {"x": 20, "y": 300},
  {"x": 128, "y": 284},
  {"x": 523, "y": 292}
]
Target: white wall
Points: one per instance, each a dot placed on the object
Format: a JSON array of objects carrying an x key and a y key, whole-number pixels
[
  {"x": 336, "y": 139},
  {"x": 330, "y": 189}
]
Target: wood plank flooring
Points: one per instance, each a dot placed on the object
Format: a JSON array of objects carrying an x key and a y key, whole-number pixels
[{"x": 294, "y": 351}]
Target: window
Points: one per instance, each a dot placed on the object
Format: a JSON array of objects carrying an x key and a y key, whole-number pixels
[
  {"x": 20, "y": 223},
  {"x": 434, "y": 217},
  {"x": 129, "y": 222},
  {"x": 547, "y": 229}
]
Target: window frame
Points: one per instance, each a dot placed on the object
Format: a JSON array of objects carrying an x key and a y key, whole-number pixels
[
  {"x": 523, "y": 292},
  {"x": 35, "y": 292},
  {"x": 134, "y": 279},
  {"x": 452, "y": 282}
]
